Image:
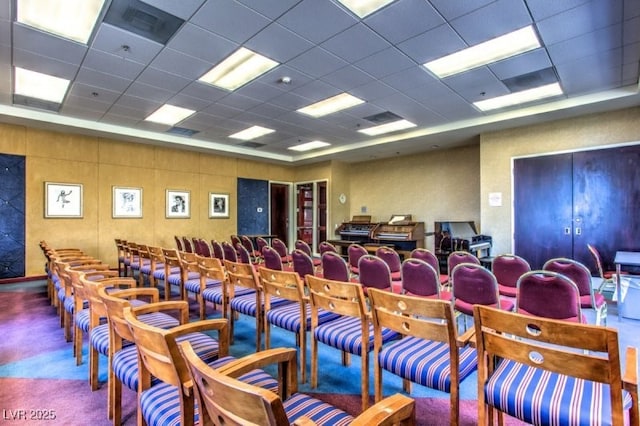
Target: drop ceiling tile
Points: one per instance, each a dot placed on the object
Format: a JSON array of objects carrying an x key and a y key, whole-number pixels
[
  {"x": 433, "y": 44},
  {"x": 492, "y": 20},
  {"x": 317, "y": 62},
  {"x": 230, "y": 20},
  {"x": 290, "y": 101},
  {"x": 268, "y": 110},
  {"x": 408, "y": 79},
  {"x": 178, "y": 63},
  {"x": 630, "y": 30},
  {"x": 82, "y": 112},
  {"x": 119, "y": 120},
  {"x": 162, "y": 79},
  {"x": 118, "y": 65},
  {"x": 189, "y": 102},
  {"x": 630, "y": 74},
  {"x": 204, "y": 91},
  {"x": 543, "y": 9},
  {"x": 630, "y": 53},
  {"x": 95, "y": 95},
  {"x": 241, "y": 102},
  {"x": 144, "y": 91},
  {"x": 102, "y": 80},
  {"x": 521, "y": 64},
  {"x": 41, "y": 43},
  {"x": 5, "y": 32},
  {"x": 471, "y": 84},
  {"x": 586, "y": 45},
  {"x": 575, "y": 81},
  {"x": 347, "y": 78},
  {"x": 355, "y": 43},
  {"x": 133, "y": 113},
  {"x": 44, "y": 64},
  {"x": 316, "y": 90},
  {"x": 454, "y": 9},
  {"x": 274, "y": 76},
  {"x": 75, "y": 103},
  {"x": 404, "y": 19},
  {"x": 143, "y": 106},
  {"x": 631, "y": 8},
  {"x": 373, "y": 90},
  {"x": 113, "y": 40},
  {"x": 385, "y": 62},
  {"x": 278, "y": 43},
  {"x": 183, "y": 9},
  {"x": 5, "y": 10},
  {"x": 200, "y": 43},
  {"x": 270, "y": 8},
  {"x": 260, "y": 91},
  {"x": 199, "y": 121},
  {"x": 316, "y": 20},
  {"x": 221, "y": 111}
]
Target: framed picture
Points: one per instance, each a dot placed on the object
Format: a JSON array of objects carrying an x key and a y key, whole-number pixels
[
  {"x": 62, "y": 200},
  {"x": 127, "y": 202},
  {"x": 218, "y": 205},
  {"x": 178, "y": 204}
]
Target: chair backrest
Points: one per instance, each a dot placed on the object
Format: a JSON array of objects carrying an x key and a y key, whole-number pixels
[
  {"x": 426, "y": 255},
  {"x": 474, "y": 284},
  {"x": 457, "y": 257},
  {"x": 354, "y": 253},
  {"x": 229, "y": 251},
  {"x": 247, "y": 244},
  {"x": 203, "y": 247},
  {"x": 574, "y": 270},
  {"x": 508, "y": 268},
  {"x": 178, "y": 243},
  {"x": 597, "y": 259},
  {"x": 235, "y": 240},
  {"x": 374, "y": 272},
  {"x": 240, "y": 274},
  {"x": 186, "y": 245},
  {"x": 302, "y": 245},
  {"x": 391, "y": 258},
  {"x": 216, "y": 247},
  {"x": 281, "y": 284},
  {"x": 334, "y": 267},
  {"x": 548, "y": 294},
  {"x": 261, "y": 242},
  {"x": 340, "y": 297},
  {"x": 272, "y": 258},
  {"x": 419, "y": 278},
  {"x": 326, "y": 246},
  {"x": 243, "y": 254},
  {"x": 302, "y": 263},
  {"x": 280, "y": 247},
  {"x": 581, "y": 351}
]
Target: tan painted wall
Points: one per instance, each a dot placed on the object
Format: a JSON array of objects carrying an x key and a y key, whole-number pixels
[{"x": 498, "y": 149}]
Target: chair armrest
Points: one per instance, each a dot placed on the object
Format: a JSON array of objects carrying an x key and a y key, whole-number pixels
[
  {"x": 108, "y": 273},
  {"x": 180, "y": 306},
  {"x": 119, "y": 282},
  {"x": 395, "y": 409},
  {"x": 135, "y": 292},
  {"x": 260, "y": 360},
  {"x": 468, "y": 338},
  {"x": 630, "y": 382}
]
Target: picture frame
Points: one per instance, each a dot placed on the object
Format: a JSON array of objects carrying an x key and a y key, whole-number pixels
[
  {"x": 127, "y": 202},
  {"x": 178, "y": 204},
  {"x": 63, "y": 200},
  {"x": 218, "y": 205}
]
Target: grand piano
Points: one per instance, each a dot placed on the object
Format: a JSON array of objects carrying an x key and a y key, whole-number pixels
[{"x": 450, "y": 236}]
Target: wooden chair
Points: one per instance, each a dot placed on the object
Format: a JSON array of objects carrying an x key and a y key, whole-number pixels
[
  {"x": 144, "y": 271},
  {"x": 228, "y": 401},
  {"x": 244, "y": 295},
  {"x": 544, "y": 371},
  {"x": 351, "y": 333},
  {"x": 120, "y": 248},
  {"x": 172, "y": 274},
  {"x": 430, "y": 352},
  {"x": 210, "y": 284}
]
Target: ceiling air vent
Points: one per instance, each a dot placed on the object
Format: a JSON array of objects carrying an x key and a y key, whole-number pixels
[
  {"x": 251, "y": 144},
  {"x": 36, "y": 103},
  {"x": 182, "y": 131},
  {"x": 531, "y": 80},
  {"x": 143, "y": 19},
  {"x": 383, "y": 117}
]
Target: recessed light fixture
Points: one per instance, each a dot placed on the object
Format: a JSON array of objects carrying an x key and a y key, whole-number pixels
[
  {"x": 55, "y": 17},
  {"x": 40, "y": 86},
  {"x": 169, "y": 114},
  {"x": 517, "y": 98},
  {"x": 252, "y": 132},
  {"x": 238, "y": 69},
  {"x": 505, "y": 46},
  {"x": 387, "y": 128},
  {"x": 309, "y": 146},
  {"x": 331, "y": 105},
  {"x": 363, "y": 8}
]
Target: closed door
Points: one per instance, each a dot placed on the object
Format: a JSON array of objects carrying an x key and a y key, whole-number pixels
[{"x": 12, "y": 216}]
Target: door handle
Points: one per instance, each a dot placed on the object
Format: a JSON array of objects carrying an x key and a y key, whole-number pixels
[
  {"x": 567, "y": 231},
  {"x": 578, "y": 231}
]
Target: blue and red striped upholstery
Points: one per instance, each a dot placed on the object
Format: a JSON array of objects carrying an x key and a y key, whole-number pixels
[
  {"x": 288, "y": 316},
  {"x": 346, "y": 334},
  {"x": 299, "y": 404},
  {"x": 541, "y": 397}
]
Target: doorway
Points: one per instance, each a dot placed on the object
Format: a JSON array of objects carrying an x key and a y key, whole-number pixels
[
  {"x": 311, "y": 213},
  {"x": 12, "y": 216},
  {"x": 280, "y": 210}
]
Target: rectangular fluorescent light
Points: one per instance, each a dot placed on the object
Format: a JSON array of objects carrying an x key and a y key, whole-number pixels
[
  {"x": 387, "y": 128},
  {"x": 70, "y": 19},
  {"x": 517, "y": 98},
  {"x": 309, "y": 146},
  {"x": 331, "y": 105},
  {"x": 363, "y": 8},
  {"x": 40, "y": 86},
  {"x": 499, "y": 48},
  {"x": 169, "y": 114},
  {"x": 252, "y": 132},
  {"x": 238, "y": 69}
]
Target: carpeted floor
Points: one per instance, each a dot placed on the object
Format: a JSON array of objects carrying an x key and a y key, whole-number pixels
[{"x": 39, "y": 380}]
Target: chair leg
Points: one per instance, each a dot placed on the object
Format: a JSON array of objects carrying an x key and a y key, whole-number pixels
[
  {"x": 314, "y": 362},
  {"x": 77, "y": 344},
  {"x": 93, "y": 368}
]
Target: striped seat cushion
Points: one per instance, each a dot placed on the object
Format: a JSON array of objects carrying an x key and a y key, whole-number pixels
[
  {"x": 193, "y": 285},
  {"x": 288, "y": 316},
  {"x": 540, "y": 397},
  {"x": 176, "y": 279},
  {"x": 214, "y": 294},
  {"x": 246, "y": 304},
  {"x": 320, "y": 412},
  {"x": 145, "y": 269},
  {"x": 426, "y": 362},
  {"x": 159, "y": 272},
  {"x": 160, "y": 404},
  {"x": 346, "y": 334}
]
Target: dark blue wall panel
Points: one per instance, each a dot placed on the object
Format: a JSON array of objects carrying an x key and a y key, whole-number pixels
[
  {"x": 253, "y": 206},
  {"x": 12, "y": 202}
]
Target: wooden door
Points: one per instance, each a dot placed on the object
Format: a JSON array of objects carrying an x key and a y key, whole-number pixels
[
  {"x": 280, "y": 211},
  {"x": 543, "y": 194}
]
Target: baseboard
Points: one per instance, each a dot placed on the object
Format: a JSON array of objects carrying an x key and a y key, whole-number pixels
[{"x": 22, "y": 279}]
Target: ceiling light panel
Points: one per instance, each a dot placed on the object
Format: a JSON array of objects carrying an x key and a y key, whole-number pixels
[
  {"x": 238, "y": 69},
  {"x": 309, "y": 146},
  {"x": 518, "y": 98},
  {"x": 394, "y": 126},
  {"x": 364, "y": 8},
  {"x": 331, "y": 105},
  {"x": 70, "y": 19},
  {"x": 169, "y": 114},
  {"x": 40, "y": 86},
  {"x": 252, "y": 132},
  {"x": 505, "y": 46}
]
